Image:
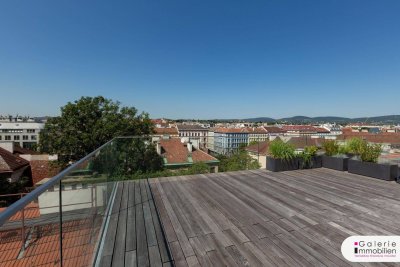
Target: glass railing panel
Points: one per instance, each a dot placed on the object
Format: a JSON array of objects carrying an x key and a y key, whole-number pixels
[
  {"x": 31, "y": 237},
  {"x": 86, "y": 193}
]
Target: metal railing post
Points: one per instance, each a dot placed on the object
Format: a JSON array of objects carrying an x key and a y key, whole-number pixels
[
  {"x": 61, "y": 221},
  {"x": 23, "y": 226}
]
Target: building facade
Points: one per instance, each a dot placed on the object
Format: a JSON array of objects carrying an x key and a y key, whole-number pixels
[
  {"x": 229, "y": 140},
  {"x": 257, "y": 135},
  {"x": 26, "y": 134},
  {"x": 193, "y": 132}
]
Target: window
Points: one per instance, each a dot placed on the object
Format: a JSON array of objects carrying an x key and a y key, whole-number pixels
[
  {"x": 7, "y": 137},
  {"x": 16, "y": 137},
  {"x": 33, "y": 137},
  {"x": 25, "y": 137},
  {"x": 1, "y": 137},
  {"x": 30, "y": 130}
]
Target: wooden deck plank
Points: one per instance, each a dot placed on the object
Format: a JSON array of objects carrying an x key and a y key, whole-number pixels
[
  {"x": 119, "y": 248},
  {"x": 255, "y": 218},
  {"x": 182, "y": 238},
  {"x": 148, "y": 221},
  {"x": 154, "y": 256},
  {"x": 131, "y": 220},
  {"x": 162, "y": 243},
  {"x": 141, "y": 242},
  {"x": 113, "y": 223},
  {"x": 130, "y": 258}
]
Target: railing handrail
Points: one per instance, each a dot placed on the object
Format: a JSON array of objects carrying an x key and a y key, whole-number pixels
[{"x": 20, "y": 204}]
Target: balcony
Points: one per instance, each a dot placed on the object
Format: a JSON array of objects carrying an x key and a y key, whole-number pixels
[{"x": 90, "y": 215}]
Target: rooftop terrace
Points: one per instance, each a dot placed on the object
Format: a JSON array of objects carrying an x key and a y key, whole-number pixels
[
  {"x": 260, "y": 218},
  {"x": 87, "y": 216}
]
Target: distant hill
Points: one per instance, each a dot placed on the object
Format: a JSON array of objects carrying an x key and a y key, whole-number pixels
[
  {"x": 390, "y": 119},
  {"x": 261, "y": 119}
]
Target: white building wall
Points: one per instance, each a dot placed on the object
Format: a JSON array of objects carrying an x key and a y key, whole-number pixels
[{"x": 73, "y": 199}]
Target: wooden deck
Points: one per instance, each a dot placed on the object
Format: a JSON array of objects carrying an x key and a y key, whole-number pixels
[
  {"x": 259, "y": 218},
  {"x": 134, "y": 236}
]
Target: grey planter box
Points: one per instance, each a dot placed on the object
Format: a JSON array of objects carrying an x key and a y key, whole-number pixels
[
  {"x": 279, "y": 165},
  {"x": 335, "y": 163},
  {"x": 316, "y": 162},
  {"x": 388, "y": 172}
]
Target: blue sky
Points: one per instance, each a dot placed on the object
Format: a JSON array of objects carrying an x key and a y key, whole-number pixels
[{"x": 203, "y": 59}]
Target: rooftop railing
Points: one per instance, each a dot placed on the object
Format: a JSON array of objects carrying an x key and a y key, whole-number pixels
[{"x": 61, "y": 222}]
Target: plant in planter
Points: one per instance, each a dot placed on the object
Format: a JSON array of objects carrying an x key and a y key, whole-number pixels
[
  {"x": 282, "y": 157},
  {"x": 331, "y": 147},
  {"x": 368, "y": 166},
  {"x": 309, "y": 158},
  {"x": 354, "y": 146},
  {"x": 334, "y": 157}
]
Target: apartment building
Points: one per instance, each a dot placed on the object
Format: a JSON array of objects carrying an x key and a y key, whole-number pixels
[
  {"x": 229, "y": 140},
  {"x": 257, "y": 135},
  {"x": 193, "y": 132},
  {"x": 26, "y": 134}
]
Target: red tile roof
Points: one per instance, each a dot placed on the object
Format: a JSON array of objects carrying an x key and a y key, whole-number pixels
[
  {"x": 274, "y": 129},
  {"x": 43, "y": 248},
  {"x": 390, "y": 138},
  {"x": 261, "y": 148},
  {"x": 258, "y": 130},
  {"x": 231, "y": 130},
  {"x": 321, "y": 130},
  {"x": 171, "y": 131},
  {"x": 304, "y": 141},
  {"x": 10, "y": 162},
  {"x": 299, "y": 128},
  {"x": 24, "y": 151},
  {"x": 30, "y": 211},
  {"x": 41, "y": 169},
  {"x": 177, "y": 152}
]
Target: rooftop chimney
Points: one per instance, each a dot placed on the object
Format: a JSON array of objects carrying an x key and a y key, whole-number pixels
[
  {"x": 190, "y": 147},
  {"x": 158, "y": 147}
]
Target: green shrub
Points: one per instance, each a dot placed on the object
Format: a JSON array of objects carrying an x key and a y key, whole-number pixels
[
  {"x": 307, "y": 155},
  {"x": 370, "y": 152},
  {"x": 281, "y": 150},
  {"x": 343, "y": 149},
  {"x": 355, "y": 145},
  {"x": 331, "y": 147}
]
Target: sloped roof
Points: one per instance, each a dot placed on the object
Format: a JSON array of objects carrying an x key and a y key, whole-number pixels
[
  {"x": 258, "y": 130},
  {"x": 231, "y": 130},
  {"x": 322, "y": 130},
  {"x": 191, "y": 127},
  {"x": 274, "y": 129},
  {"x": 171, "y": 130},
  {"x": 10, "y": 162},
  {"x": 389, "y": 138},
  {"x": 174, "y": 151},
  {"x": 303, "y": 141},
  {"x": 261, "y": 148},
  {"x": 299, "y": 128},
  {"x": 24, "y": 151}
]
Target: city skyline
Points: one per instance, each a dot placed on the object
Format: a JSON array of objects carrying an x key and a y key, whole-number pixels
[{"x": 203, "y": 60}]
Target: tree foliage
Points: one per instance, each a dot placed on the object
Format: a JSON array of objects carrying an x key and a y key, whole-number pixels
[
  {"x": 88, "y": 123},
  {"x": 240, "y": 160}
]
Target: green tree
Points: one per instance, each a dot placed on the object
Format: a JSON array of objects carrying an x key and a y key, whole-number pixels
[
  {"x": 240, "y": 160},
  {"x": 87, "y": 123}
]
